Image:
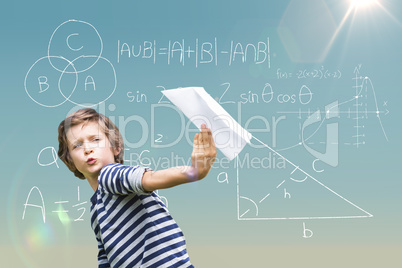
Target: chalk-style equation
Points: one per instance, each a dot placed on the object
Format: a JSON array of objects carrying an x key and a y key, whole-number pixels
[
  {"x": 196, "y": 51},
  {"x": 60, "y": 209},
  {"x": 319, "y": 73}
]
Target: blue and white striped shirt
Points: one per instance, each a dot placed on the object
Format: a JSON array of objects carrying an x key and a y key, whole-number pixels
[{"x": 133, "y": 228}]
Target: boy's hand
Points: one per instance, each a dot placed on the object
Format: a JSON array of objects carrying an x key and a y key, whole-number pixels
[{"x": 203, "y": 155}]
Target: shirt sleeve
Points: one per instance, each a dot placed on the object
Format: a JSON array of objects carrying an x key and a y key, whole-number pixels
[{"x": 119, "y": 179}]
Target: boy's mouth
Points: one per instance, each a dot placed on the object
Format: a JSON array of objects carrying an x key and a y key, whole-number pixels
[{"x": 91, "y": 161}]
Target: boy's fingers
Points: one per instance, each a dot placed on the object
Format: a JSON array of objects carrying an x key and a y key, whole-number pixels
[
  {"x": 196, "y": 141},
  {"x": 204, "y": 139},
  {"x": 202, "y": 132},
  {"x": 210, "y": 138},
  {"x": 205, "y": 133},
  {"x": 211, "y": 145},
  {"x": 209, "y": 141}
]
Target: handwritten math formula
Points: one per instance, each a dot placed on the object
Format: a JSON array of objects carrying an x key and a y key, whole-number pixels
[
  {"x": 318, "y": 73},
  {"x": 60, "y": 207},
  {"x": 196, "y": 52}
]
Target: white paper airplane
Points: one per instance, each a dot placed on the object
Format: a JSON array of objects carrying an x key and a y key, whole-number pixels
[{"x": 201, "y": 108}]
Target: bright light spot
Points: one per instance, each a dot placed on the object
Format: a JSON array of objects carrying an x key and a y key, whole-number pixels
[
  {"x": 363, "y": 3},
  {"x": 38, "y": 236},
  {"x": 63, "y": 216}
]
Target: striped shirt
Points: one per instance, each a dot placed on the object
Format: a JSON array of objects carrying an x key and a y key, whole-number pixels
[{"x": 133, "y": 227}]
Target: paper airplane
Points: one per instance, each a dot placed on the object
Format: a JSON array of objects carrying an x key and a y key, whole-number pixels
[{"x": 200, "y": 107}]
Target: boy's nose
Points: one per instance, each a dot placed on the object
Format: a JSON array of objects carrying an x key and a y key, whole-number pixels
[{"x": 88, "y": 150}]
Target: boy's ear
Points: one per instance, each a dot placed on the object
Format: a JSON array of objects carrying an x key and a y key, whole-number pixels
[{"x": 116, "y": 151}]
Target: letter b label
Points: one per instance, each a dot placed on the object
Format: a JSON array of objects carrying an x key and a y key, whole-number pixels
[{"x": 307, "y": 233}]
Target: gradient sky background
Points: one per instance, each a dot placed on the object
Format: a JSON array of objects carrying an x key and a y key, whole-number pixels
[{"x": 322, "y": 47}]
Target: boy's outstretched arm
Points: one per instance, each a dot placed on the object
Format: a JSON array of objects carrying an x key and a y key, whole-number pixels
[{"x": 202, "y": 159}]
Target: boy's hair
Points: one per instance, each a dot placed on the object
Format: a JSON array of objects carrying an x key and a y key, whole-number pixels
[{"x": 85, "y": 116}]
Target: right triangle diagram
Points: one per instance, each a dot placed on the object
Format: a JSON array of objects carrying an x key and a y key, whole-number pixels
[{"x": 284, "y": 191}]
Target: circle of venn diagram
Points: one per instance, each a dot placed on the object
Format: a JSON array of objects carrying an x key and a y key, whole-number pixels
[{"x": 73, "y": 70}]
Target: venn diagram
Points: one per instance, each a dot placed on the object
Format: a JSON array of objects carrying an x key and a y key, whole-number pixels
[{"x": 73, "y": 70}]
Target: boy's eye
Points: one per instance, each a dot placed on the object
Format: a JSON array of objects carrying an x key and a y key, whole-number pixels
[{"x": 77, "y": 145}]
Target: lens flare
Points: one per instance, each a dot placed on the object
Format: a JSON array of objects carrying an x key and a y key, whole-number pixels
[
  {"x": 363, "y": 3},
  {"x": 63, "y": 216},
  {"x": 38, "y": 236}
]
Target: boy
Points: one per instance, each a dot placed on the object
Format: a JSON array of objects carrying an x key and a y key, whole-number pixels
[{"x": 132, "y": 225}]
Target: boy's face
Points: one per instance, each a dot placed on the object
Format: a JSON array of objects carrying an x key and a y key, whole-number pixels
[{"x": 90, "y": 149}]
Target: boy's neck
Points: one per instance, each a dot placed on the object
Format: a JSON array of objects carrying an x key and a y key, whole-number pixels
[{"x": 93, "y": 183}]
